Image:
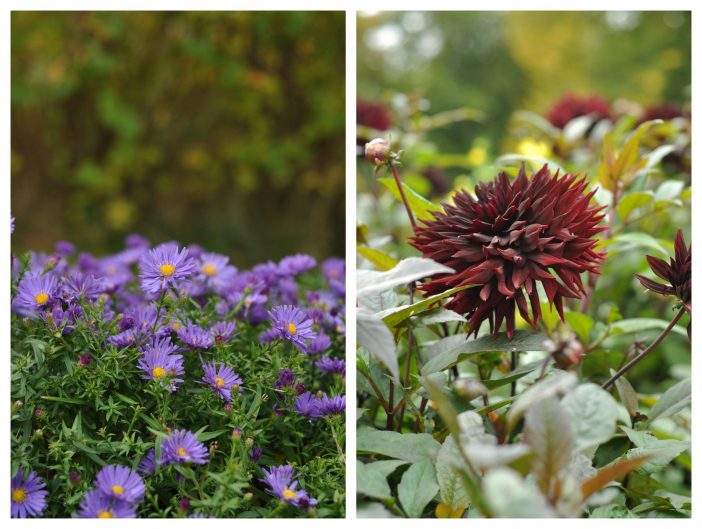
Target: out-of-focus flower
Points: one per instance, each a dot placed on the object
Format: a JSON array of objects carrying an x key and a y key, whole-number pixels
[
  {"x": 182, "y": 446},
  {"x": 297, "y": 264},
  {"x": 665, "y": 111},
  {"x": 571, "y": 106},
  {"x": 164, "y": 267},
  {"x": 331, "y": 365},
  {"x": 195, "y": 336},
  {"x": 678, "y": 273},
  {"x": 507, "y": 239},
  {"x": 222, "y": 379},
  {"x": 282, "y": 482},
  {"x": 27, "y": 497},
  {"x": 147, "y": 466},
  {"x": 372, "y": 114},
  {"x": 222, "y": 331}
]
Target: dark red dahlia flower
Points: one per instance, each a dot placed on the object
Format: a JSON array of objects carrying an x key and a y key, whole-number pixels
[
  {"x": 678, "y": 273},
  {"x": 664, "y": 111},
  {"x": 571, "y": 106},
  {"x": 373, "y": 115},
  {"x": 507, "y": 239}
]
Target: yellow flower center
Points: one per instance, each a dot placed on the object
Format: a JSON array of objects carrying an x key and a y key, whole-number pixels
[
  {"x": 19, "y": 495},
  {"x": 176, "y": 326},
  {"x": 292, "y": 328},
  {"x": 117, "y": 489},
  {"x": 167, "y": 269},
  {"x": 289, "y": 494},
  {"x": 339, "y": 329},
  {"x": 105, "y": 514},
  {"x": 209, "y": 269},
  {"x": 41, "y": 298},
  {"x": 158, "y": 372},
  {"x": 182, "y": 452},
  {"x": 219, "y": 381}
]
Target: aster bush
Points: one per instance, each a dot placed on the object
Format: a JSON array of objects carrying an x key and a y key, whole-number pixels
[
  {"x": 164, "y": 382},
  {"x": 524, "y": 333}
]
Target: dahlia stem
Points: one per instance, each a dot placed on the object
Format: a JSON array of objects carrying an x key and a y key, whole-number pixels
[
  {"x": 389, "y": 411},
  {"x": 401, "y": 189},
  {"x": 643, "y": 353},
  {"x": 513, "y": 386}
]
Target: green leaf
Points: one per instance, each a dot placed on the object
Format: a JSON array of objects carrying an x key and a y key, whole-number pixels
[
  {"x": 593, "y": 415},
  {"x": 395, "y": 316},
  {"x": 635, "y": 241},
  {"x": 510, "y": 496},
  {"x": 551, "y": 386},
  {"x": 371, "y": 478},
  {"x": 631, "y": 201},
  {"x": 373, "y": 334},
  {"x": 660, "y": 451},
  {"x": 419, "y": 205},
  {"x": 581, "y": 324},
  {"x": 417, "y": 488},
  {"x": 449, "y": 351},
  {"x": 669, "y": 190},
  {"x": 627, "y": 394},
  {"x": 439, "y": 315},
  {"x": 612, "y": 511},
  {"x": 548, "y": 433},
  {"x": 379, "y": 259},
  {"x": 408, "y": 270},
  {"x": 673, "y": 400},
  {"x": 636, "y": 325},
  {"x": 412, "y": 447},
  {"x": 450, "y": 481}
]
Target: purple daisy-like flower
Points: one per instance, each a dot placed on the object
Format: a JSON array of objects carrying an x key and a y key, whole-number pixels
[
  {"x": 335, "y": 405},
  {"x": 148, "y": 463},
  {"x": 282, "y": 482},
  {"x": 320, "y": 344},
  {"x": 159, "y": 363},
  {"x": 163, "y": 267},
  {"x": 27, "y": 499},
  {"x": 120, "y": 483},
  {"x": 331, "y": 365},
  {"x": 222, "y": 331},
  {"x": 36, "y": 292},
  {"x": 308, "y": 405},
  {"x": 215, "y": 271},
  {"x": 285, "y": 378},
  {"x": 81, "y": 286},
  {"x": 182, "y": 446},
  {"x": 96, "y": 505},
  {"x": 293, "y": 265},
  {"x": 195, "y": 336},
  {"x": 256, "y": 453},
  {"x": 292, "y": 324},
  {"x": 222, "y": 379},
  {"x": 334, "y": 268},
  {"x": 12, "y": 224},
  {"x": 65, "y": 248}
]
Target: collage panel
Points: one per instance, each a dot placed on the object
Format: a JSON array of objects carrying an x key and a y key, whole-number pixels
[
  {"x": 178, "y": 313},
  {"x": 523, "y": 283}
]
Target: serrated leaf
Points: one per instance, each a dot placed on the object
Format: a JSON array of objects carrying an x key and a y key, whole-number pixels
[
  {"x": 593, "y": 415},
  {"x": 548, "y": 433},
  {"x": 447, "y": 352},
  {"x": 417, "y": 487}
]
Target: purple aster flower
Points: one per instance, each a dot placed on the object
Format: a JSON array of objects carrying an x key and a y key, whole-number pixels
[
  {"x": 78, "y": 285},
  {"x": 195, "y": 336},
  {"x": 308, "y": 405},
  {"x": 27, "y": 499},
  {"x": 282, "y": 482},
  {"x": 285, "y": 378},
  {"x": 36, "y": 293},
  {"x": 222, "y": 331},
  {"x": 124, "y": 339},
  {"x": 338, "y": 288},
  {"x": 296, "y": 264},
  {"x": 320, "y": 344},
  {"x": 268, "y": 336},
  {"x": 288, "y": 291},
  {"x": 163, "y": 267},
  {"x": 215, "y": 271},
  {"x": 12, "y": 224},
  {"x": 65, "y": 248},
  {"x": 148, "y": 463},
  {"x": 96, "y": 505},
  {"x": 256, "y": 453},
  {"x": 292, "y": 324},
  {"x": 159, "y": 363},
  {"x": 222, "y": 379},
  {"x": 182, "y": 446},
  {"x": 135, "y": 240},
  {"x": 334, "y": 268},
  {"x": 332, "y": 405},
  {"x": 120, "y": 483},
  {"x": 331, "y": 365}
]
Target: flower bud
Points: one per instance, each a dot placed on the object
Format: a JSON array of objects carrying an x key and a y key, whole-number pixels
[
  {"x": 378, "y": 151},
  {"x": 249, "y": 442},
  {"x": 17, "y": 406},
  {"x": 248, "y": 496},
  {"x": 567, "y": 353},
  {"x": 236, "y": 434}
]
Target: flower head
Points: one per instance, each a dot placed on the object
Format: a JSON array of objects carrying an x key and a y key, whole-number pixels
[
  {"x": 282, "y": 482},
  {"x": 36, "y": 292},
  {"x": 334, "y": 268},
  {"x": 507, "y": 239},
  {"x": 182, "y": 446},
  {"x": 222, "y": 331},
  {"x": 293, "y": 265},
  {"x": 222, "y": 379},
  {"x": 120, "y": 483},
  {"x": 27, "y": 499},
  {"x": 335, "y": 405},
  {"x": 163, "y": 267},
  {"x": 571, "y": 106},
  {"x": 308, "y": 405},
  {"x": 147, "y": 466},
  {"x": 97, "y": 505},
  {"x": 373, "y": 115},
  {"x": 292, "y": 324},
  {"x": 678, "y": 273},
  {"x": 159, "y": 363},
  {"x": 331, "y": 365},
  {"x": 195, "y": 336}
]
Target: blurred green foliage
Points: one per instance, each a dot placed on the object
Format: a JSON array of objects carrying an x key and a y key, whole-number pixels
[
  {"x": 503, "y": 62},
  {"x": 221, "y": 129}
]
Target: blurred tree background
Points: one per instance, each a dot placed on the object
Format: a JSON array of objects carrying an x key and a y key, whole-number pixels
[
  {"x": 503, "y": 62},
  {"x": 221, "y": 129}
]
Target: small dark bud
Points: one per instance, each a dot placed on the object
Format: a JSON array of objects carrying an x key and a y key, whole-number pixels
[{"x": 378, "y": 151}]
